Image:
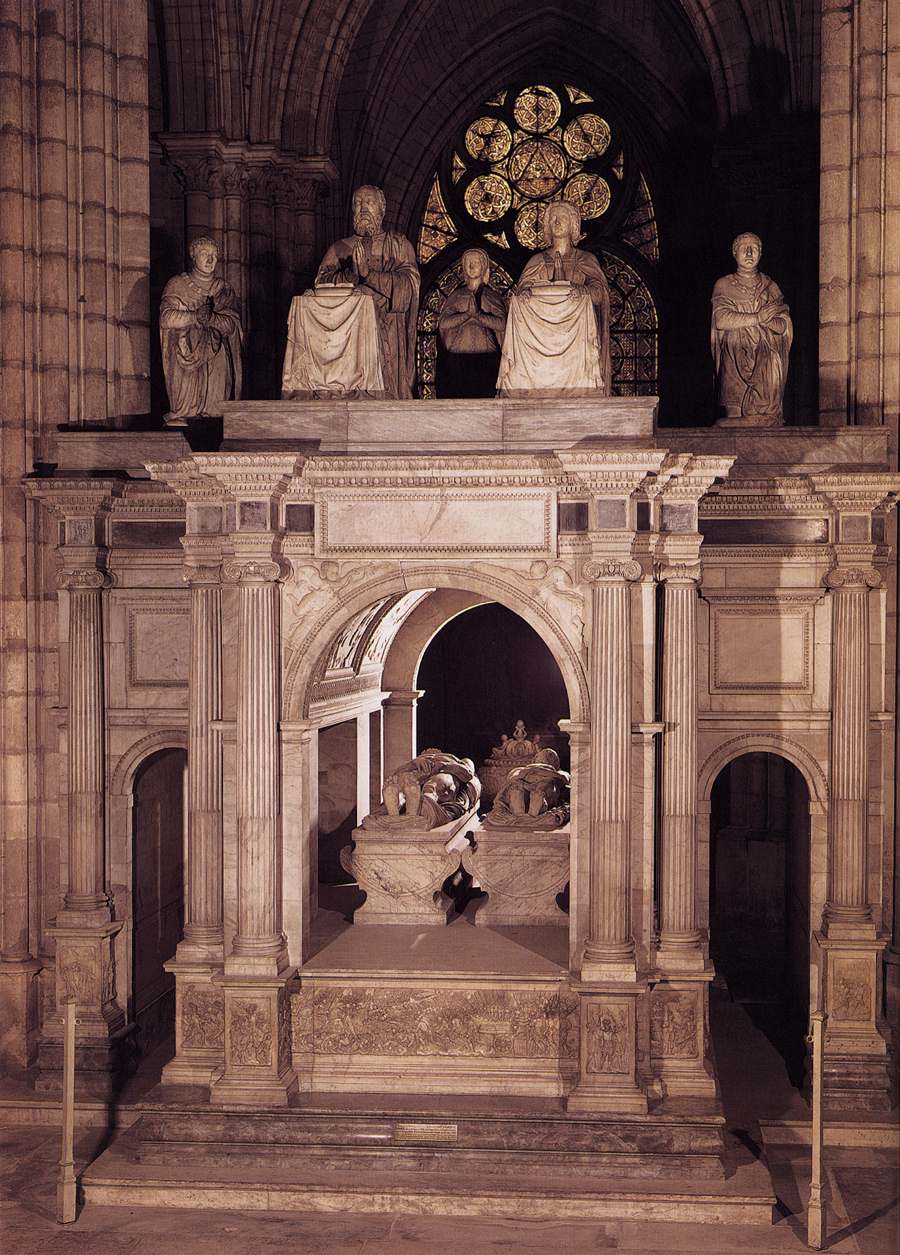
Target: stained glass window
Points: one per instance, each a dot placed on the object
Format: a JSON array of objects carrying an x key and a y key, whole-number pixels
[{"x": 526, "y": 146}]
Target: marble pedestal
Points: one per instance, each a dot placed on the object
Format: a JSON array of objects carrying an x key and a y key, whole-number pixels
[
  {"x": 402, "y": 871},
  {"x": 522, "y": 871}
]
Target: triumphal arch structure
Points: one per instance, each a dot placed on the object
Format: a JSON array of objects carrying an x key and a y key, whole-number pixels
[{"x": 331, "y": 329}]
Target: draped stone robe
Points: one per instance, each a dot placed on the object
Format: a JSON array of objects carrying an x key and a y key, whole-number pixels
[
  {"x": 201, "y": 362},
  {"x": 751, "y": 361},
  {"x": 554, "y": 345},
  {"x": 393, "y": 280}
]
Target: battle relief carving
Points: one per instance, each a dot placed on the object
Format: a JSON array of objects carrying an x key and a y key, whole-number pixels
[
  {"x": 250, "y": 1033},
  {"x": 493, "y": 1024},
  {"x": 608, "y": 1038},
  {"x": 78, "y": 977},
  {"x": 202, "y": 1019},
  {"x": 851, "y": 992},
  {"x": 673, "y": 1026}
]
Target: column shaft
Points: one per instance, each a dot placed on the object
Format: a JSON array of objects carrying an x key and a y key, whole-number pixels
[
  {"x": 259, "y": 888},
  {"x": 610, "y": 915},
  {"x": 678, "y": 870},
  {"x": 203, "y": 922},
  {"x": 85, "y": 750},
  {"x": 847, "y": 895}
]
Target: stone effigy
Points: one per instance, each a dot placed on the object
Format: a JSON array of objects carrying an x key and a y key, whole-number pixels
[
  {"x": 750, "y": 338},
  {"x": 355, "y": 334},
  {"x": 513, "y": 751},
  {"x": 557, "y": 333},
  {"x": 532, "y": 796},
  {"x": 200, "y": 336},
  {"x": 471, "y": 328},
  {"x": 430, "y": 790}
]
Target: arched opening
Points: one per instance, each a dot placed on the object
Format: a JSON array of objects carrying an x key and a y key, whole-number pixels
[
  {"x": 481, "y": 673},
  {"x": 759, "y": 910},
  {"x": 157, "y": 892}
]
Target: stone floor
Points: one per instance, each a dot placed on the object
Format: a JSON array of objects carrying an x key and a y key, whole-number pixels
[{"x": 863, "y": 1210}]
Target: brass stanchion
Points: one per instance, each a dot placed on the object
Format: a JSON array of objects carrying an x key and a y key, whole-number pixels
[
  {"x": 815, "y": 1215},
  {"x": 66, "y": 1188}
]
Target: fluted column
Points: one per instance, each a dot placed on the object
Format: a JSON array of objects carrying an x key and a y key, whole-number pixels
[
  {"x": 86, "y": 747},
  {"x": 203, "y": 904},
  {"x": 259, "y": 942},
  {"x": 609, "y": 947},
  {"x": 847, "y": 888},
  {"x": 679, "y": 935}
]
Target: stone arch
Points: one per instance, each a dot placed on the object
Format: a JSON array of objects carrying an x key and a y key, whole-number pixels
[
  {"x": 764, "y": 743},
  {"x": 301, "y": 664},
  {"x": 130, "y": 762}
]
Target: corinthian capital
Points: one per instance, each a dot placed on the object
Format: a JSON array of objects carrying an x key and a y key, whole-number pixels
[
  {"x": 605, "y": 569},
  {"x": 852, "y": 579}
]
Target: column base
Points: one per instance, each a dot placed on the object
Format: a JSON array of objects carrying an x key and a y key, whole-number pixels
[
  {"x": 258, "y": 1042},
  {"x": 199, "y": 1023},
  {"x": 679, "y": 1016},
  {"x": 856, "y": 1065},
  {"x": 680, "y": 956},
  {"x": 101, "y": 1067},
  {"x": 608, "y": 1053},
  {"x": 19, "y": 1013}
]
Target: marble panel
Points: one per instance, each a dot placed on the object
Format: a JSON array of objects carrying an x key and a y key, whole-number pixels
[
  {"x": 761, "y": 647},
  {"x": 158, "y": 646},
  {"x": 436, "y": 521}
]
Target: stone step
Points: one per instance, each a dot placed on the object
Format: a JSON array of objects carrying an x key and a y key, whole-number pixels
[{"x": 746, "y": 1197}]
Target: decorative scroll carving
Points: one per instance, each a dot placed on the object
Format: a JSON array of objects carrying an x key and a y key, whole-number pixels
[
  {"x": 492, "y": 1024},
  {"x": 673, "y": 1026},
  {"x": 83, "y": 578},
  {"x": 284, "y": 1030},
  {"x": 679, "y": 573},
  {"x": 250, "y": 1033},
  {"x": 851, "y": 990},
  {"x": 607, "y": 1034},
  {"x": 852, "y": 577},
  {"x": 611, "y": 569},
  {"x": 202, "y": 1018},
  {"x": 251, "y": 572}
]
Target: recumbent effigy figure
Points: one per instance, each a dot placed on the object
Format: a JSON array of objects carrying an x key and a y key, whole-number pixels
[
  {"x": 750, "y": 338},
  {"x": 532, "y": 796},
  {"x": 431, "y": 789},
  {"x": 200, "y": 337},
  {"x": 355, "y": 335}
]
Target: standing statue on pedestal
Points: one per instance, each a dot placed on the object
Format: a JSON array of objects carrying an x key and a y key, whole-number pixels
[
  {"x": 200, "y": 334},
  {"x": 750, "y": 338},
  {"x": 557, "y": 335},
  {"x": 381, "y": 265},
  {"x": 471, "y": 329}
]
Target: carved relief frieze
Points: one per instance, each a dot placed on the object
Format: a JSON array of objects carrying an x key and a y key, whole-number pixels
[
  {"x": 78, "y": 976},
  {"x": 284, "y": 1030},
  {"x": 492, "y": 1024},
  {"x": 250, "y": 1032},
  {"x": 673, "y": 1025},
  {"x": 608, "y": 1045},
  {"x": 202, "y": 1018},
  {"x": 851, "y": 989}
]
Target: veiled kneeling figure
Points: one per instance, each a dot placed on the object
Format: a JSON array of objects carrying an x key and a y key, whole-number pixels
[
  {"x": 532, "y": 796},
  {"x": 750, "y": 339},
  {"x": 557, "y": 333}
]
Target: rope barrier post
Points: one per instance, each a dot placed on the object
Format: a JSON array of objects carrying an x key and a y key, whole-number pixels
[
  {"x": 66, "y": 1188},
  {"x": 815, "y": 1215}
]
